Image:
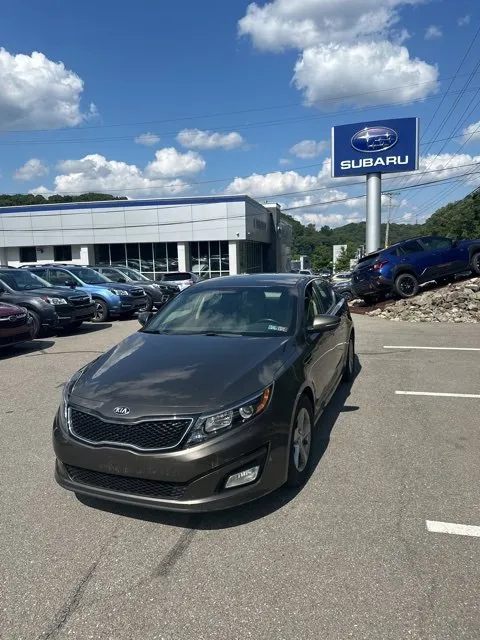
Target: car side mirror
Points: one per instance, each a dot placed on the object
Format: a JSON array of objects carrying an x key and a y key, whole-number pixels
[
  {"x": 70, "y": 283},
  {"x": 121, "y": 279},
  {"x": 324, "y": 323},
  {"x": 144, "y": 317}
]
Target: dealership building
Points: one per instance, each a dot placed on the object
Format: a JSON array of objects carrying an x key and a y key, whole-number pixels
[{"x": 212, "y": 236}]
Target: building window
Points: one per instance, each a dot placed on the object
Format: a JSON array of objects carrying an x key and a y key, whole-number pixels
[
  {"x": 210, "y": 259},
  {"x": 62, "y": 253},
  {"x": 102, "y": 254},
  {"x": 28, "y": 254},
  {"x": 148, "y": 258},
  {"x": 251, "y": 257}
]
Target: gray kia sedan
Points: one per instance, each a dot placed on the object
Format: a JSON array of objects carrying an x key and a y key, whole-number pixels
[{"x": 213, "y": 402}]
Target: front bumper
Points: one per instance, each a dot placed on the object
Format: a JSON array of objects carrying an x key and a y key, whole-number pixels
[
  {"x": 68, "y": 315},
  {"x": 16, "y": 335},
  {"x": 129, "y": 305},
  {"x": 189, "y": 480}
]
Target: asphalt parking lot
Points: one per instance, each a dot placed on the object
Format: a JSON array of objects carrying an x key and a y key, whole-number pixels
[{"x": 349, "y": 556}]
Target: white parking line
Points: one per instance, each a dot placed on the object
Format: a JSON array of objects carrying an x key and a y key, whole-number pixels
[
  {"x": 434, "y": 348},
  {"x": 454, "y": 529},
  {"x": 437, "y": 395}
]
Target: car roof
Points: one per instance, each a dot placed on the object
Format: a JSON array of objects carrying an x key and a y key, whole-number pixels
[{"x": 255, "y": 280}]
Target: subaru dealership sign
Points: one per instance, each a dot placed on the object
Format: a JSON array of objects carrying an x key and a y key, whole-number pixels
[{"x": 385, "y": 146}]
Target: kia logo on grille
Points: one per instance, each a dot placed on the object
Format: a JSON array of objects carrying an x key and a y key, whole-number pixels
[
  {"x": 121, "y": 411},
  {"x": 373, "y": 139}
]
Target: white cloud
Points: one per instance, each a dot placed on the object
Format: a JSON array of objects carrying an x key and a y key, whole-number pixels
[
  {"x": 433, "y": 32},
  {"x": 384, "y": 69},
  {"x": 41, "y": 191},
  {"x": 96, "y": 173},
  {"x": 464, "y": 20},
  {"x": 348, "y": 46},
  {"x": 308, "y": 148},
  {"x": 472, "y": 132},
  {"x": 272, "y": 183},
  {"x": 147, "y": 139},
  {"x": 33, "y": 168},
  {"x": 284, "y": 161},
  {"x": 170, "y": 163},
  {"x": 197, "y": 139},
  {"x": 301, "y": 24},
  {"x": 444, "y": 165},
  {"x": 38, "y": 93},
  {"x": 330, "y": 219}
]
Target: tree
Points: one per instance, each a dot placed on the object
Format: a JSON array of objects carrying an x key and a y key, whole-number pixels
[
  {"x": 343, "y": 261},
  {"x": 322, "y": 257}
]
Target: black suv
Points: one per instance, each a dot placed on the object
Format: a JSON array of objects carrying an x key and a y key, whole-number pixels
[
  {"x": 49, "y": 307},
  {"x": 158, "y": 293}
]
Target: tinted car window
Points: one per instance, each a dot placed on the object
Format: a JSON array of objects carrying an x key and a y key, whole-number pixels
[
  {"x": 89, "y": 275},
  {"x": 434, "y": 244},
  {"x": 59, "y": 278},
  {"x": 412, "y": 246},
  {"x": 325, "y": 293},
  {"x": 22, "y": 280},
  {"x": 252, "y": 311}
]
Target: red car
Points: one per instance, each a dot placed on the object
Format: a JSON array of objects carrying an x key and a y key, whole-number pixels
[{"x": 15, "y": 325}]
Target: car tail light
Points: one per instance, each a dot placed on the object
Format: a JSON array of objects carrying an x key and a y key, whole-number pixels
[{"x": 378, "y": 265}]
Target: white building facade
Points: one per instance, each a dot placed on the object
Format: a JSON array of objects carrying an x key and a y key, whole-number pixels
[{"x": 212, "y": 236}]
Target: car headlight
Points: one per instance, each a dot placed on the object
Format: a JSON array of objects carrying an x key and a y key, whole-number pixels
[
  {"x": 55, "y": 301},
  {"x": 210, "y": 425},
  {"x": 119, "y": 292},
  {"x": 157, "y": 286},
  {"x": 66, "y": 393}
]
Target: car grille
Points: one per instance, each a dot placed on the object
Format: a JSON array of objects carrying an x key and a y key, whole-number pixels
[
  {"x": 15, "y": 320},
  {"x": 80, "y": 301},
  {"x": 148, "y": 435},
  {"x": 136, "y": 293},
  {"x": 124, "y": 484}
]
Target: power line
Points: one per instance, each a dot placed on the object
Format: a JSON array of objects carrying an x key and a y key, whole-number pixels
[
  {"x": 237, "y": 112},
  {"x": 225, "y": 129}
]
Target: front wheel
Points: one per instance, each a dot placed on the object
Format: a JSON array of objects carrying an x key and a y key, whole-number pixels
[
  {"x": 349, "y": 368},
  {"x": 101, "y": 311},
  {"x": 300, "y": 458},
  {"x": 347, "y": 295},
  {"x": 475, "y": 263},
  {"x": 406, "y": 285},
  {"x": 148, "y": 305},
  {"x": 36, "y": 324}
]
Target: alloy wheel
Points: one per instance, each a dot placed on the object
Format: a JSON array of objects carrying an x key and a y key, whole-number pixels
[
  {"x": 407, "y": 286},
  {"x": 302, "y": 440}
]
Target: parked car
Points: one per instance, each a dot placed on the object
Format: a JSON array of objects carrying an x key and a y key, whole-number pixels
[
  {"x": 15, "y": 325},
  {"x": 345, "y": 289},
  {"x": 110, "y": 299},
  {"x": 182, "y": 279},
  {"x": 403, "y": 267},
  {"x": 50, "y": 308},
  {"x": 341, "y": 276},
  {"x": 158, "y": 293},
  {"x": 213, "y": 402}
]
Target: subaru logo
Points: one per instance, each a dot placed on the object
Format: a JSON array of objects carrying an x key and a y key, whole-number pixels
[
  {"x": 121, "y": 411},
  {"x": 372, "y": 139}
]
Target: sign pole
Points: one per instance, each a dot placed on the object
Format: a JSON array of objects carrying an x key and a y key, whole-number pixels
[{"x": 374, "y": 211}]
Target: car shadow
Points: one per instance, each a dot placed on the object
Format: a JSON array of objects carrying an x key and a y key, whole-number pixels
[
  {"x": 251, "y": 511},
  {"x": 85, "y": 328},
  {"x": 25, "y": 348}
]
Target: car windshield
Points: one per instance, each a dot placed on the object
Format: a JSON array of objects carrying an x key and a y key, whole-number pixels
[
  {"x": 242, "y": 311},
  {"x": 23, "y": 280},
  {"x": 89, "y": 276},
  {"x": 132, "y": 273}
]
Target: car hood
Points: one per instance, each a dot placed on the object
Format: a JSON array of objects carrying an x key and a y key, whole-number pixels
[
  {"x": 7, "y": 309},
  {"x": 184, "y": 374},
  {"x": 51, "y": 292}
]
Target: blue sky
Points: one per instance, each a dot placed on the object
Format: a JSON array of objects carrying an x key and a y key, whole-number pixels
[{"x": 234, "y": 98}]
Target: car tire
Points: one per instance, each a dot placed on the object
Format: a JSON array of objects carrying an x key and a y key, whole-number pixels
[
  {"x": 349, "y": 367},
  {"x": 475, "y": 263},
  {"x": 101, "y": 311},
  {"x": 149, "y": 304},
  {"x": 406, "y": 285},
  {"x": 348, "y": 295},
  {"x": 36, "y": 324},
  {"x": 301, "y": 444}
]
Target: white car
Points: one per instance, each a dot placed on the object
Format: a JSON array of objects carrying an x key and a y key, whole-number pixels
[{"x": 182, "y": 279}]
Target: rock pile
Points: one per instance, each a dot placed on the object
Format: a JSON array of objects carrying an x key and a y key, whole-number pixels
[{"x": 454, "y": 303}]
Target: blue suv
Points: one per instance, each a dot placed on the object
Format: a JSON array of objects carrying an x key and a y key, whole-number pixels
[
  {"x": 111, "y": 298},
  {"x": 403, "y": 267}
]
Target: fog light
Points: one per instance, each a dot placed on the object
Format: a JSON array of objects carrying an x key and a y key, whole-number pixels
[{"x": 242, "y": 477}]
